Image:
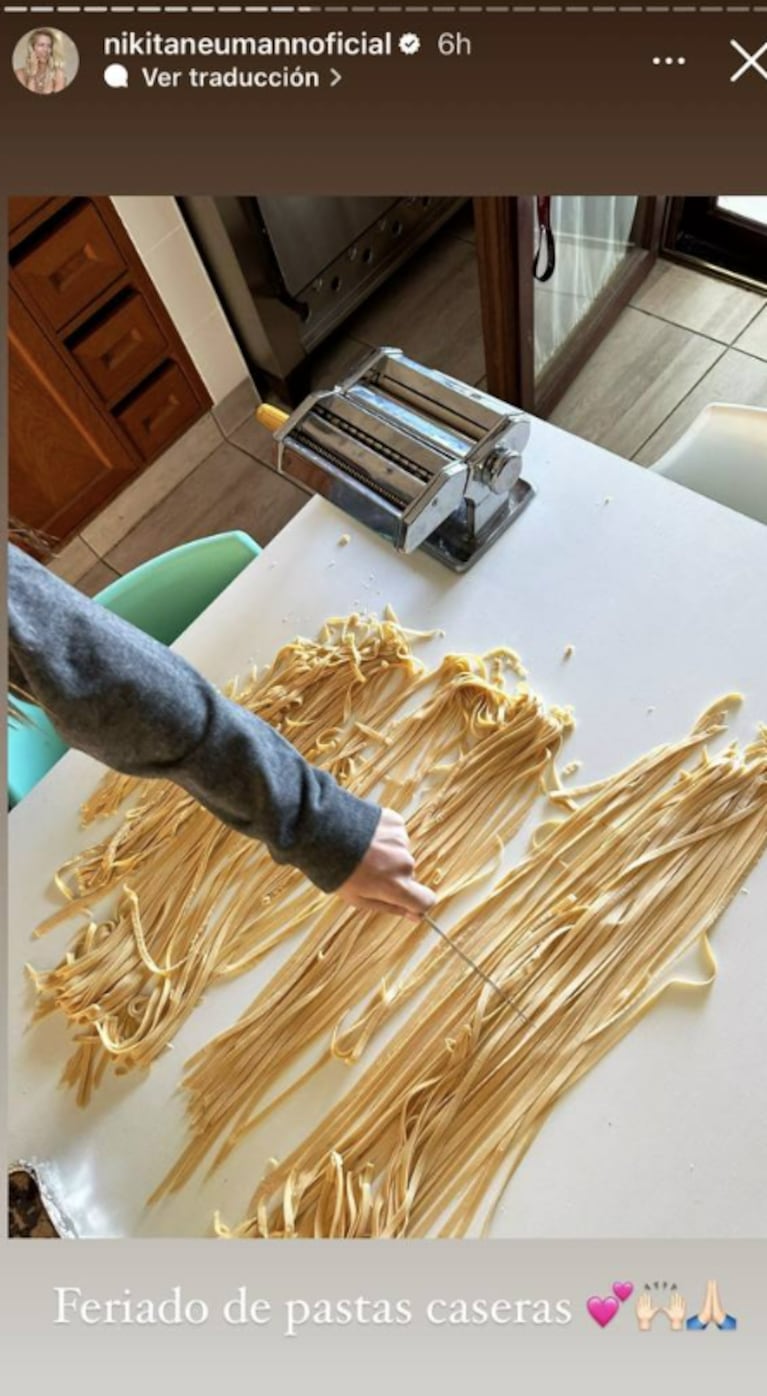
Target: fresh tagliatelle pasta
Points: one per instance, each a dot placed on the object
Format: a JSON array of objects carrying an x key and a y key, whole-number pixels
[
  {"x": 460, "y": 825},
  {"x": 583, "y": 936},
  {"x": 191, "y": 902}
]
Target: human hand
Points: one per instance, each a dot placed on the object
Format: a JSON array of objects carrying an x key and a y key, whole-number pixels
[
  {"x": 384, "y": 880},
  {"x": 718, "y": 1313},
  {"x": 675, "y": 1311},
  {"x": 646, "y": 1312},
  {"x": 706, "y": 1313}
]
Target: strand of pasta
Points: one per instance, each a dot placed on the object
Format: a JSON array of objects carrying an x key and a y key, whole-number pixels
[
  {"x": 574, "y": 841},
  {"x": 204, "y": 903},
  {"x": 114, "y": 980},
  {"x": 308, "y": 692},
  {"x": 583, "y": 936},
  {"x": 480, "y": 804}
]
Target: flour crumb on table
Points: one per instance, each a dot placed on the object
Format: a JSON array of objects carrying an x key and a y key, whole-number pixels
[
  {"x": 344, "y": 539},
  {"x": 569, "y": 651}
]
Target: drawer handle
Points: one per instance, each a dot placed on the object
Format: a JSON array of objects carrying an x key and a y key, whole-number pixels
[
  {"x": 73, "y": 266},
  {"x": 120, "y": 350},
  {"x": 154, "y": 420}
]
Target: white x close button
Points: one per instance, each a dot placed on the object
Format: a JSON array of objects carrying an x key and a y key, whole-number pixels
[{"x": 751, "y": 61}]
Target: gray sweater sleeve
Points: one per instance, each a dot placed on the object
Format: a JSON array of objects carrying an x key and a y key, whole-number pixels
[{"x": 112, "y": 691}]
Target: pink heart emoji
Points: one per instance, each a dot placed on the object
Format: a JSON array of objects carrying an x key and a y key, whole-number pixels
[
  {"x": 624, "y": 1290},
  {"x": 602, "y": 1311}
]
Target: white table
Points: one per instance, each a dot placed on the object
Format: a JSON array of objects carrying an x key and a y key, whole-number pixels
[{"x": 663, "y": 595}]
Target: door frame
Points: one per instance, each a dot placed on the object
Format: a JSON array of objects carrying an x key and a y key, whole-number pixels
[
  {"x": 505, "y": 251},
  {"x": 698, "y": 234}
]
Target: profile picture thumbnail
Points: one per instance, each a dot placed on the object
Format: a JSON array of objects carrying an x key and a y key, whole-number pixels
[{"x": 45, "y": 61}]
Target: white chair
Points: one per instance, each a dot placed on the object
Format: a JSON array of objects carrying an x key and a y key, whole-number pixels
[{"x": 724, "y": 456}]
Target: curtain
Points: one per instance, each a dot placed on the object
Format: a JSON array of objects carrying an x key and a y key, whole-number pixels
[{"x": 592, "y": 234}]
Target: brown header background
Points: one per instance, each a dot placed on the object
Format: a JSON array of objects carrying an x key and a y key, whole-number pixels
[{"x": 565, "y": 101}]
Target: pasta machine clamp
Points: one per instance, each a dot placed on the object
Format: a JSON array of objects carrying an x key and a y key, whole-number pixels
[{"x": 423, "y": 459}]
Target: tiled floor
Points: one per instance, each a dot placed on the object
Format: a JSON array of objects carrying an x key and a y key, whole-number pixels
[{"x": 687, "y": 339}]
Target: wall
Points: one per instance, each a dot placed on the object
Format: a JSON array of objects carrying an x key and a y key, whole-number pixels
[{"x": 163, "y": 242}]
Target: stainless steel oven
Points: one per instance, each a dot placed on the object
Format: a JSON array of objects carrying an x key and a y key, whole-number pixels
[{"x": 289, "y": 270}]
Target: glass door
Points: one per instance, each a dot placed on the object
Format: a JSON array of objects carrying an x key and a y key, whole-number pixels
[
  {"x": 555, "y": 273},
  {"x": 592, "y": 236},
  {"x": 723, "y": 233},
  {"x": 751, "y": 207}
]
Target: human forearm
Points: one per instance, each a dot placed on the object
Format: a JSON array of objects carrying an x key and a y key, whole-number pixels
[{"x": 120, "y": 696}]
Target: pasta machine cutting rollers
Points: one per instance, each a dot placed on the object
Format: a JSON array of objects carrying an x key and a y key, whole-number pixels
[{"x": 423, "y": 459}]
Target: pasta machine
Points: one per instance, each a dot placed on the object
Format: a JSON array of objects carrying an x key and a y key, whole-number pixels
[{"x": 423, "y": 459}]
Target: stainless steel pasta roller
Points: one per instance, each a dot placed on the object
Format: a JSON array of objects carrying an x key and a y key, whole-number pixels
[{"x": 423, "y": 459}]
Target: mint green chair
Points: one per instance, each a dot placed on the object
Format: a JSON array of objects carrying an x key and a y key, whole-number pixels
[
  {"x": 33, "y": 747},
  {"x": 161, "y": 597}
]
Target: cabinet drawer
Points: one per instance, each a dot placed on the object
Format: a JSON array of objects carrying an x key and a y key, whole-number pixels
[
  {"x": 68, "y": 268},
  {"x": 22, "y": 206},
  {"x": 118, "y": 352},
  {"x": 160, "y": 412}
]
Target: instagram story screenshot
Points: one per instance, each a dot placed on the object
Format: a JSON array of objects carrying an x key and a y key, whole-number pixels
[{"x": 385, "y": 580}]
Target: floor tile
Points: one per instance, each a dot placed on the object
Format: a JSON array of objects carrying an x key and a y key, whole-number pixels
[
  {"x": 697, "y": 302},
  {"x": 331, "y": 362},
  {"x": 638, "y": 375},
  {"x": 105, "y": 531},
  {"x": 735, "y": 378},
  {"x": 229, "y": 490},
  {"x": 432, "y": 310},
  {"x": 236, "y": 407},
  {"x": 335, "y": 359},
  {"x": 73, "y": 561},
  {"x": 754, "y": 339},
  {"x": 255, "y": 441},
  {"x": 462, "y": 224},
  {"x": 96, "y": 579}
]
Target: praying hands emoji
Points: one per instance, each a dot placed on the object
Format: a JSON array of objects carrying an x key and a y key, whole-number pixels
[{"x": 712, "y": 1311}]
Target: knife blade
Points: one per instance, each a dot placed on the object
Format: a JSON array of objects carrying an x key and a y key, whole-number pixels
[{"x": 475, "y": 967}]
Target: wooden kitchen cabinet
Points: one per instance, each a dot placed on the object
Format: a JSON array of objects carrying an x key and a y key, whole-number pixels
[
  {"x": 25, "y": 207},
  {"x": 65, "y": 269},
  {"x": 120, "y": 349},
  {"x": 156, "y": 411},
  {"x": 100, "y": 381},
  {"x": 65, "y": 459}
]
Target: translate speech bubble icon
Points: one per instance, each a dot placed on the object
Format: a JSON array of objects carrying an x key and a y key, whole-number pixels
[{"x": 116, "y": 75}]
